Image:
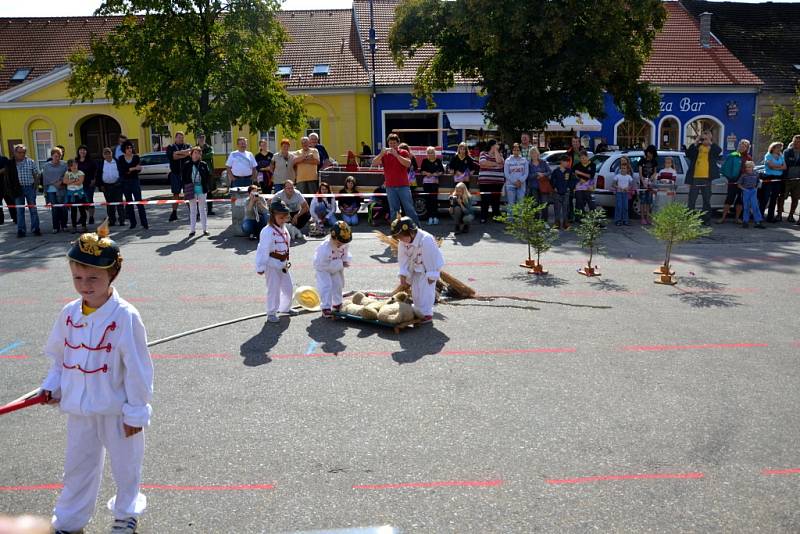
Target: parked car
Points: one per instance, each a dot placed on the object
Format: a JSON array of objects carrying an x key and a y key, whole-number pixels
[
  {"x": 155, "y": 167},
  {"x": 553, "y": 157},
  {"x": 608, "y": 165}
]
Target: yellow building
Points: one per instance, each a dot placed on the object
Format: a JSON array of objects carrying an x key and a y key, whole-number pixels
[{"x": 35, "y": 108}]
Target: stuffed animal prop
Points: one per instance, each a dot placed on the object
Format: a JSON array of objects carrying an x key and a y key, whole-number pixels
[
  {"x": 353, "y": 305},
  {"x": 398, "y": 310}
]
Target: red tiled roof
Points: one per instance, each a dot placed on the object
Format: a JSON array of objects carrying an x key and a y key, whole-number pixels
[
  {"x": 43, "y": 44},
  {"x": 679, "y": 59}
]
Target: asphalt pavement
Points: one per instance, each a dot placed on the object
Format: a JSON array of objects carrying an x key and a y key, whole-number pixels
[{"x": 548, "y": 404}]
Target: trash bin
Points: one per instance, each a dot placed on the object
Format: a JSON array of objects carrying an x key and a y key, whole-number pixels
[{"x": 238, "y": 202}]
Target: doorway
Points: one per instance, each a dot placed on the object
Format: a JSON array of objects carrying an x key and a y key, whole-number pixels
[
  {"x": 668, "y": 135},
  {"x": 98, "y": 132}
]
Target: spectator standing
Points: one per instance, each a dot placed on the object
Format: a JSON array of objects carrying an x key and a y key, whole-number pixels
[
  {"x": 574, "y": 153},
  {"x": 74, "y": 180},
  {"x": 560, "y": 179},
  {"x": 112, "y": 188},
  {"x": 264, "y": 166},
  {"x": 299, "y": 212},
  {"x": 648, "y": 170},
  {"x": 491, "y": 179},
  {"x": 324, "y": 157},
  {"x": 462, "y": 165},
  {"x": 431, "y": 169},
  {"x": 178, "y": 156},
  {"x": 118, "y": 150},
  {"x": 748, "y": 183},
  {"x": 129, "y": 168},
  {"x": 602, "y": 146},
  {"x": 208, "y": 158},
  {"x": 89, "y": 169},
  {"x": 774, "y": 168},
  {"x": 538, "y": 183},
  {"x": 585, "y": 171},
  {"x": 256, "y": 213},
  {"x": 366, "y": 153},
  {"x": 732, "y": 169},
  {"x": 702, "y": 158},
  {"x": 515, "y": 170},
  {"x": 54, "y": 189},
  {"x": 5, "y": 195},
  {"x": 241, "y": 165},
  {"x": 525, "y": 145},
  {"x": 282, "y": 167},
  {"x": 396, "y": 162},
  {"x": 22, "y": 180},
  {"x": 791, "y": 157},
  {"x": 620, "y": 184},
  {"x": 195, "y": 173},
  {"x": 306, "y": 164}
]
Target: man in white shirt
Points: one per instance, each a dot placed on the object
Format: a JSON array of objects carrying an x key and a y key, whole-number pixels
[
  {"x": 112, "y": 188},
  {"x": 241, "y": 165}
]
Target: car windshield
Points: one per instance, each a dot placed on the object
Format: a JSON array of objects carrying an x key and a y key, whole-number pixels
[
  {"x": 599, "y": 159},
  {"x": 154, "y": 159}
]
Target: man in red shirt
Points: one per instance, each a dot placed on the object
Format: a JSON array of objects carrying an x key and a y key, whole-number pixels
[{"x": 395, "y": 173}]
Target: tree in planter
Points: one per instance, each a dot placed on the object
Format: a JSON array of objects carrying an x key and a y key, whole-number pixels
[
  {"x": 206, "y": 64},
  {"x": 524, "y": 223},
  {"x": 673, "y": 224},
  {"x": 589, "y": 231}
]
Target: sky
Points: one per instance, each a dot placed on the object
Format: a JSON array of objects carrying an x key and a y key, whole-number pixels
[{"x": 60, "y": 8}]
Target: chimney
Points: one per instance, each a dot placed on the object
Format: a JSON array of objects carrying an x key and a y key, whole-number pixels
[{"x": 705, "y": 29}]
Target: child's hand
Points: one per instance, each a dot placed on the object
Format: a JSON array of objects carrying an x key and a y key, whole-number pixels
[
  {"x": 131, "y": 430},
  {"x": 50, "y": 399},
  {"x": 260, "y": 274}
]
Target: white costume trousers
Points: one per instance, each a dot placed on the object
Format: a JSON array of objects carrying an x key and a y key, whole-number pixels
[
  {"x": 330, "y": 287},
  {"x": 279, "y": 291},
  {"x": 423, "y": 293},
  {"x": 88, "y": 437},
  {"x": 198, "y": 200}
]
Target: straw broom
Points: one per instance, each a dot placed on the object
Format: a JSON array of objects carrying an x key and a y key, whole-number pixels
[{"x": 458, "y": 288}]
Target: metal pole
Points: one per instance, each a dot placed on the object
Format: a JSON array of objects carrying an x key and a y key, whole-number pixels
[{"x": 372, "y": 47}]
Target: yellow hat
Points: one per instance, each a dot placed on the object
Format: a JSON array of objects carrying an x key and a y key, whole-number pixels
[{"x": 307, "y": 298}]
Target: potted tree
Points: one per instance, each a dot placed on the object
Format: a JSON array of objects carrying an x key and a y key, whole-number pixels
[
  {"x": 524, "y": 223},
  {"x": 673, "y": 224},
  {"x": 589, "y": 231}
]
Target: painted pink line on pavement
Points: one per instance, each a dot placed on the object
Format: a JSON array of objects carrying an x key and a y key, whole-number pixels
[
  {"x": 642, "y": 476},
  {"x": 188, "y": 356},
  {"x": 766, "y": 472},
  {"x": 36, "y": 487},
  {"x": 14, "y": 356},
  {"x": 646, "y": 348},
  {"x": 235, "y": 487},
  {"x": 442, "y": 484}
]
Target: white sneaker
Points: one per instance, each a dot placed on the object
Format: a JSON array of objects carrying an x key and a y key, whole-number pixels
[
  {"x": 430, "y": 221},
  {"x": 124, "y": 526},
  {"x": 436, "y": 220},
  {"x": 273, "y": 319}
]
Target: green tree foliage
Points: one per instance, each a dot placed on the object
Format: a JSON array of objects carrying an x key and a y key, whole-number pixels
[
  {"x": 784, "y": 122},
  {"x": 537, "y": 60},
  {"x": 675, "y": 223},
  {"x": 204, "y": 63},
  {"x": 525, "y": 224},
  {"x": 589, "y": 231}
]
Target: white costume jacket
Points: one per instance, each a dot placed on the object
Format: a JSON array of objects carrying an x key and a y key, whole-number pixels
[
  {"x": 331, "y": 260},
  {"x": 100, "y": 362},
  {"x": 422, "y": 255},
  {"x": 271, "y": 239}
]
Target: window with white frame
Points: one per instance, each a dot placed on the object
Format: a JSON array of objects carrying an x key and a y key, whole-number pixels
[
  {"x": 271, "y": 136},
  {"x": 42, "y": 144},
  {"x": 314, "y": 127},
  {"x": 160, "y": 138},
  {"x": 222, "y": 142}
]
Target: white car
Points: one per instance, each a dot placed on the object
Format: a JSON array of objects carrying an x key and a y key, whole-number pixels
[
  {"x": 155, "y": 167},
  {"x": 553, "y": 157},
  {"x": 608, "y": 165}
]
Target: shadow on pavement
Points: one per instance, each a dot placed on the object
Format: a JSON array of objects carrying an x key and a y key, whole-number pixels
[
  {"x": 255, "y": 350},
  {"x": 418, "y": 342},
  {"x": 704, "y": 293},
  {"x": 548, "y": 280},
  {"x": 327, "y": 333}
]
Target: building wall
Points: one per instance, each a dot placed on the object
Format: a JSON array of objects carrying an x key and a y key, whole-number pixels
[
  {"x": 685, "y": 107},
  {"x": 767, "y": 101}
]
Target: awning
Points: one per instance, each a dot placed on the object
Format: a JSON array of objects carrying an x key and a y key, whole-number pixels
[
  {"x": 582, "y": 123},
  {"x": 467, "y": 120}
]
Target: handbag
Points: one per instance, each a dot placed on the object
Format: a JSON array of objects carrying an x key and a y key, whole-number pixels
[
  {"x": 188, "y": 191},
  {"x": 545, "y": 187}
]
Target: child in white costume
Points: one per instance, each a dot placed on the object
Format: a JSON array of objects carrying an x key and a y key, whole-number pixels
[
  {"x": 330, "y": 260},
  {"x": 272, "y": 260},
  {"x": 102, "y": 377},
  {"x": 420, "y": 262}
]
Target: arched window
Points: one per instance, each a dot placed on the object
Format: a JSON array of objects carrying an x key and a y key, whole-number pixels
[
  {"x": 634, "y": 134},
  {"x": 669, "y": 134},
  {"x": 696, "y": 126}
]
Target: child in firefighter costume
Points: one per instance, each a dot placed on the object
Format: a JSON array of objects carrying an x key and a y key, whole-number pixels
[
  {"x": 420, "y": 261},
  {"x": 102, "y": 378},
  {"x": 272, "y": 261},
  {"x": 330, "y": 260}
]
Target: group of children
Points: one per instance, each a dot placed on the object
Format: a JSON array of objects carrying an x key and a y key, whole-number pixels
[{"x": 419, "y": 257}]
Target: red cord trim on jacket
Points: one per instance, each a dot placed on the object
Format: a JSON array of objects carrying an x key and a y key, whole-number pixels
[
  {"x": 100, "y": 346},
  {"x": 72, "y": 324},
  {"x": 78, "y": 367}
]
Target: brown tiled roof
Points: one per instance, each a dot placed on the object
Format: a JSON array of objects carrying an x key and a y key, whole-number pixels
[
  {"x": 43, "y": 44},
  {"x": 323, "y": 37},
  {"x": 763, "y": 36},
  {"x": 679, "y": 59}
]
